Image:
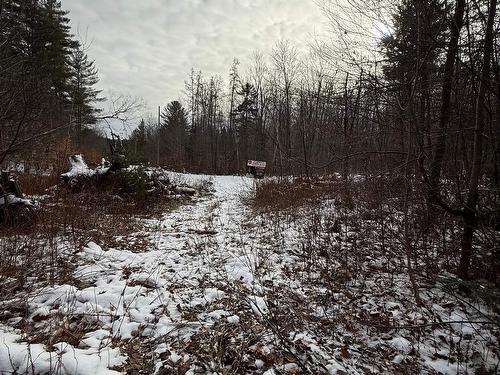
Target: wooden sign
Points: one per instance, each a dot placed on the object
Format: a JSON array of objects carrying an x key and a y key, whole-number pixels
[
  {"x": 256, "y": 168},
  {"x": 256, "y": 164}
]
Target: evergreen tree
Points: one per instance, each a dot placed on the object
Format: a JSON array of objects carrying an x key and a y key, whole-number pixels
[
  {"x": 174, "y": 115},
  {"x": 412, "y": 64},
  {"x": 53, "y": 45},
  {"x": 137, "y": 141},
  {"x": 35, "y": 51},
  {"x": 414, "y": 45},
  {"x": 173, "y": 132},
  {"x": 83, "y": 95},
  {"x": 245, "y": 119}
]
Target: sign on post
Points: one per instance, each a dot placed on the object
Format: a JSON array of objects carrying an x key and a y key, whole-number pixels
[{"x": 256, "y": 167}]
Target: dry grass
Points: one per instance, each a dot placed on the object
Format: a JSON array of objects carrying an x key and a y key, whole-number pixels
[
  {"x": 373, "y": 210},
  {"x": 42, "y": 251},
  {"x": 384, "y": 205},
  {"x": 275, "y": 195},
  {"x": 45, "y": 251},
  {"x": 37, "y": 184},
  {"x": 357, "y": 246}
]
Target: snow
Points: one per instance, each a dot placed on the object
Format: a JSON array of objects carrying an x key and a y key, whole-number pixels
[
  {"x": 233, "y": 319},
  {"x": 12, "y": 199},
  {"x": 401, "y": 344},
  {"x": 78, "y": 167},
  {"x": 19, "y": 357},
  {"x": 258, "y": 305},
  {"x": 215, "y": 265},
  {"x": 103, "y": 168}
]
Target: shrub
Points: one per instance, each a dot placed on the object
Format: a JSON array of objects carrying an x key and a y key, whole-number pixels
[{"x": 272, "y": 194}]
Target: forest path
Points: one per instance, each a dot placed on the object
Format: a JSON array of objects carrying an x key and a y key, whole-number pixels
[
  {"x": 222, "y": 289},
  {"x": 119, "y": 299}
]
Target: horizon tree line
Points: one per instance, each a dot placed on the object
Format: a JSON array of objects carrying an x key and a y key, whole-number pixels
[
  {"x": 420, "y": 103},
  {"x": 424, "y": 107}
]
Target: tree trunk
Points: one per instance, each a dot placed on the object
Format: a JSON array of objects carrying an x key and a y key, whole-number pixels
[
  {"x": 439, "y": 150},
  {"x": 477, "y": 161}
]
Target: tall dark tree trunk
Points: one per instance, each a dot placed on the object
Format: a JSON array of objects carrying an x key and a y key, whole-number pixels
[
  {"x": 470, "y": 211},
  {"x": 439, "y": 150}
]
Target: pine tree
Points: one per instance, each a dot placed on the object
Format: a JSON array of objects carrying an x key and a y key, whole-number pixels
[
  {"x": 11, "y": 27},
  {"x": 53, "y": 44},
  {"x": 414, "y": 45},
  {"x": 245, "y": 119},
  {"x": 35, "y": 73},
  {"x": 412, "y": 64},
  {"x": 173, "y": 132},
  {"x": 138, "y": 143},
  {"x": 83, "y": 95}
]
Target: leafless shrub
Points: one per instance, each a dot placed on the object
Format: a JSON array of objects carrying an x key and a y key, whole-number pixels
[{"x": 272, "y": 194}]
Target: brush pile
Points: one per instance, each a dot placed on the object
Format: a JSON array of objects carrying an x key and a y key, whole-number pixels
[{"x": 123, "y": 180}]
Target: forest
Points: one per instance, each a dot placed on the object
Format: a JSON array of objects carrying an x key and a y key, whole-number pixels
[
  {"x": 396, "y": 115},
  {"x": 428, "y": 107}
]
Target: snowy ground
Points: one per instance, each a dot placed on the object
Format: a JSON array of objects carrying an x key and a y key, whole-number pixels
[{"x": 223, "y": 290}]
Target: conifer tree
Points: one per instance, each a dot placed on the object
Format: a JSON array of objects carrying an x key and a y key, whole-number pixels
[
  {"x": 83, "y": 94},
  {"x": 41, "y": 77},
  {"x": 412, "y": 64},
  {"x": 138, "y": 142},
  {"x": 246, "y": 115},
  {"x": 173, "y": 132},
  {"x": 53, "y": 45}
]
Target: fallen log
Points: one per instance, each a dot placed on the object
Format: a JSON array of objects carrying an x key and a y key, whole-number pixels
[{"x": 78, "y": 172}]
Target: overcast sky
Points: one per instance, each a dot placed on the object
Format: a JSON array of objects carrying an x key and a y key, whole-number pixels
[{"x": 147, "y": 48}]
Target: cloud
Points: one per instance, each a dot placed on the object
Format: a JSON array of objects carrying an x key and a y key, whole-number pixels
[{"x": 147, "y": 48}]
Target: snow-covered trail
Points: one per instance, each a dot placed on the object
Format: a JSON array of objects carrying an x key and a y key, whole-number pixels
[
  {"x": 207, "y": 238},
  {"x": 221, "y": 289},
  {"x": 165, "y": 290},
  {"x": 194, "y": 247}
]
